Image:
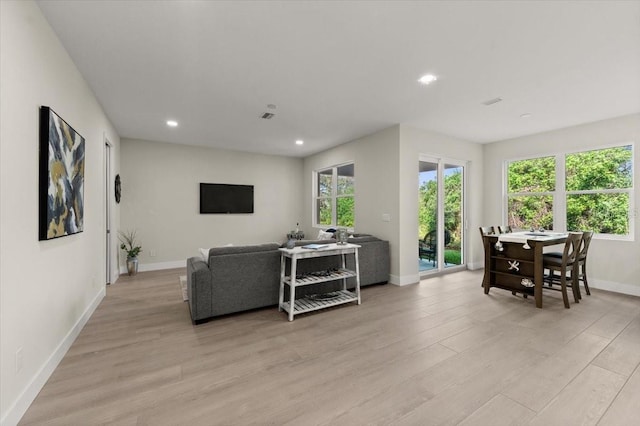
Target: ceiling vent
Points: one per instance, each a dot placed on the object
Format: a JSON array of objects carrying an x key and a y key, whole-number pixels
[
  {"x": 492, "y": 101},
  {"x": 267, "y": 116}
]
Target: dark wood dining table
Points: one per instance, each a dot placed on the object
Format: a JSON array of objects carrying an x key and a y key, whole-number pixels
[{"x": 514, "y": 261}]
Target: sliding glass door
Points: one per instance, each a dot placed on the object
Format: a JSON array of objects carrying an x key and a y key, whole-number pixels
[{"x": 440, "y": 214}]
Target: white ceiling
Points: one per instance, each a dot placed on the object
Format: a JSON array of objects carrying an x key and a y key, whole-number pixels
[{"x": 340, "y": 70}]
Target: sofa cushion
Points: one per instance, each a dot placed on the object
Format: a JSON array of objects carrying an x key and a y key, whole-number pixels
[
  {"x": 362, "y": 238},
  {"x": 217, "y": 251}
]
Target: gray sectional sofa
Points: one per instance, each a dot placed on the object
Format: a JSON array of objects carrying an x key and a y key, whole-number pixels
[{"x": 239, "y": 278}]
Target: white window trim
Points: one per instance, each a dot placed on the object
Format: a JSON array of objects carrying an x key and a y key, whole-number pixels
[{"x": 560, "y": 194}]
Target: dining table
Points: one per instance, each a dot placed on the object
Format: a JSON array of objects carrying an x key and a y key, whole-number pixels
[{"x": 514, "y": 261}]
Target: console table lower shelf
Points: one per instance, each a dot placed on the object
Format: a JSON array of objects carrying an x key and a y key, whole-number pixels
[{"x": 308, "y": 304}]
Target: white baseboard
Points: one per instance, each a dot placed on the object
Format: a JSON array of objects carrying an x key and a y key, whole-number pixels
[
  {"x": 144, "y": 267},
  {"x": 22, "y": 403},
  {"x": 404, "y": 279},
  {"x": 472, "y": 266},
  {"x": 630, "y": 289}
]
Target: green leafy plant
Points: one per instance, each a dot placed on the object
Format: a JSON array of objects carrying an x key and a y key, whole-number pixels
[{"x": 128, "y": 240}]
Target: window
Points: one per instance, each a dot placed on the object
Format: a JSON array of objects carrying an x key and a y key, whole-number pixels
[
  {"x": 598, "y": 190},
  {"x": 334, "y": 196},
  {"x": 576, "y": 191},
  {"x": 531, "y": 186}
]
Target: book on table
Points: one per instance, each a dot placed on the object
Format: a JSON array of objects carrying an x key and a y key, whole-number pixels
[{"x": 315, "y": 246}]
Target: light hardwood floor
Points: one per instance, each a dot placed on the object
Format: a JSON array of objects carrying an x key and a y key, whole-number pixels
[{"x": 439, "y": 352}]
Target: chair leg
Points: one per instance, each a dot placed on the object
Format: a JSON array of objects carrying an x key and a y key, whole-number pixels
[
  {"x": 575, "y": 283},
  {"x": 583, "y": 267},
  {"x": 563, "y": 286}
]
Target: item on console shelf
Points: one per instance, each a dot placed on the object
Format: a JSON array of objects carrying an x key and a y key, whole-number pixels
[
  {"x": 324, "y": 296},
  {"x": 342, "y": 236}
]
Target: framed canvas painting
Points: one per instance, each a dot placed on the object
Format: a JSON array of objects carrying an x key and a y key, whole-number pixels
[{"x": 61, "y": 192}]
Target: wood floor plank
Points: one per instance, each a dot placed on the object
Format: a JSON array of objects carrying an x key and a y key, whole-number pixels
[
  {"x": 511, "y": 413},
  {"x": 625, "y": 410},
  {"x": 546, "y": 378},
  {"x": 439, "y": 352},
  {"x": 621, "y": 356},
  {"x": 584, "y": 400}
]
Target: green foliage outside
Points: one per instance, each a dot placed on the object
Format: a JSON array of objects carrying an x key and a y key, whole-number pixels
[
  {"x": 535, "y": 175},
  {"x": 531, "y": 211},
  {"x": 345, "y": 201},
  {"x": 602, "y": 169},
  {"x": 453, "y": 257},
  {"x": 324, "y": 211},
  {"x": 344, "y": 211}
]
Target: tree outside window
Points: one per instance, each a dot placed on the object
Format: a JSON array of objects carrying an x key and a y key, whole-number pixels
[
  {"x": 598, "y": 189},
  {"x": 531, "y": 185}
]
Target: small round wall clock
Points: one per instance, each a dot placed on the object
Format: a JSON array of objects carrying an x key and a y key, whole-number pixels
[{"x": 117, "y": 188}]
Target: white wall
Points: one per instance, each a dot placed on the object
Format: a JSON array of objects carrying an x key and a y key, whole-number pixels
[
  {"x": 376, "y": 186},
  {"x": 160, "y": 199},
  {"x": 48, "y": 289},
  {"x": 413, "y": 142},
  {"x": 612, "y": 265}
]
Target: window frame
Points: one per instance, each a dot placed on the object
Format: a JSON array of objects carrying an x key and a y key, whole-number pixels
[
  {"x": 333, "y": 197},
  {"x": 561, "y": 193}
]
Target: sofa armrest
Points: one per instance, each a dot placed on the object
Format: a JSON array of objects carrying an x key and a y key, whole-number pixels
[
  {"x": 199, "y": 289},
  {"x": 374, "y": 260}
]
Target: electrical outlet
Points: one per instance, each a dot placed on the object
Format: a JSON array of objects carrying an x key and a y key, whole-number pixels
[
  {"x": 153, "y": 253},
  {"x": 18, "y": 360},
  {"x": 386, "y": 217}
]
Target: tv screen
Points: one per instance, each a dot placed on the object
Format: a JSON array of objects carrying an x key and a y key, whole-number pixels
[{"x": 224, "y": 198}]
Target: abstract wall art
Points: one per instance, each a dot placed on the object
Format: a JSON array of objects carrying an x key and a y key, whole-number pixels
[{"x": 61, "y": 196}]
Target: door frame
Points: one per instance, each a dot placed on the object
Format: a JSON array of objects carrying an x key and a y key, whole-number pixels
[
  {"x": 440, "y": 161},
  {"x": 108, "y": 211}
]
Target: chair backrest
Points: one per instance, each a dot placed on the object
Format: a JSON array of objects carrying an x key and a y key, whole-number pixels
[
  {"x": 584, "y": 244},
  {"x": 571, "y": 248},
  {"x": 505, "y": 229},
  {"x": 431, "y": 239},
  {"x": 487, "y": 230}
]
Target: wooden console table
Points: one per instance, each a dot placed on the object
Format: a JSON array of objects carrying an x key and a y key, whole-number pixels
[
  {"x": 308, "y": 304},
  {"x": 520, "y": 259}
]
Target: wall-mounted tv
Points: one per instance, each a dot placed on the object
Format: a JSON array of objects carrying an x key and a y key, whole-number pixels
[{"x": 222, "y": 198}]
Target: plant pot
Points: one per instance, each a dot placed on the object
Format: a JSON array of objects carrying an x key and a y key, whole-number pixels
[{"x": 132, "y": 265}]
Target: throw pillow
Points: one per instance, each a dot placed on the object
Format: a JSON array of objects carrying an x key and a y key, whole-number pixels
[
  {"x": 322, "y": 235},
  {"x": 204, "y": 254}
]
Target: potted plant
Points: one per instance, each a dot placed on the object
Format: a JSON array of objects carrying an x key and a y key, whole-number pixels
[{"x": 128, "y": 240}]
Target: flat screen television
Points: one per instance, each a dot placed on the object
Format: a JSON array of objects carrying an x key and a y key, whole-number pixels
[{"x": 222, "y": 198}]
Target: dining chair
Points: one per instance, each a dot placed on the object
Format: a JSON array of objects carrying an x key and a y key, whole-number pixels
[
  {"x": 564, "y": 266},
  {"x": 487, "y": 230},
  {"x": 581, "y": 270},
  {"x": 505, "y": 229}
]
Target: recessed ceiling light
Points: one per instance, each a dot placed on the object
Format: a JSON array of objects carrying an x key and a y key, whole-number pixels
[
  {"x": 427, "y": 79},
  {"x": 299, "y": 142},
  {"x": 526, "y": 115},
  {"x": 172, "y": 123}
]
